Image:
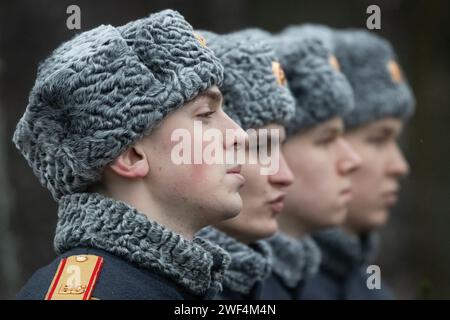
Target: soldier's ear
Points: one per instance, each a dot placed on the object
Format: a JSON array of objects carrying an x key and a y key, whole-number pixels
[{"x": 132, "y": 163}]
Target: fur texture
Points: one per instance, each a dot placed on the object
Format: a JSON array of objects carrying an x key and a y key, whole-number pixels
[
  {"x": 104, "y": 89},
  {"x": 252, "y": 95},
  {"x": 365, "y": 59},
  {"x": 294, "y": 260},
  {"x": 249, "y": 264},
  {"x": 321, "y": 92},
  {"x": 92, "y": 220},
  {"x": 342, "y": 253}
]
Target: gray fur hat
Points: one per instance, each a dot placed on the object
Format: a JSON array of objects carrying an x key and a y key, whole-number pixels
[
  {"x": 321, "y": 91},
  {"x": 254, "y": 87},
  {"x": 315, "y": 31},
  {"x": 106, "y": 88},
  {"x": 371, "y": 66}
]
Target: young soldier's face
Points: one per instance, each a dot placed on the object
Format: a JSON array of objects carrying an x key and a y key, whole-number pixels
[
  {"x": 376, "y": 184},
  {"x": 322, "y": 161},
  {"x": 199, "y": 193},
  {"x": 262, "y": 195}
]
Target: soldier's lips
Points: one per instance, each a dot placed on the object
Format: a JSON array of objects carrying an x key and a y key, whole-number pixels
[
  {"x": 346, "y": 194},
  {"x": 236, "y": 169},
  {"x": 236, "y": 173},
  {"x": 277, "y": 204},
  {"x": 390, "y": 198}
]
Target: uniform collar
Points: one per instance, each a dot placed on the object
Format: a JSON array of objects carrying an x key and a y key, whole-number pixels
[
  {"x": 343, "y": 252},
  {"x": 93, "y": 220},
  {"x": 294, "y": 259},
  {"x": 250, "y": 264}
]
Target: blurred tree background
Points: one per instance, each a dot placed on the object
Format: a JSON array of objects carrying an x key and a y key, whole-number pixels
[{"x": 415, "y": 253}]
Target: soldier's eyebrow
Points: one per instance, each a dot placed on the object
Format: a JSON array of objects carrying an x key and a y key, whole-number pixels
[
  {"x": 332, "y": 131},
  {"x": 386, "y": 131},
  {"x": 212, "y": 94}
]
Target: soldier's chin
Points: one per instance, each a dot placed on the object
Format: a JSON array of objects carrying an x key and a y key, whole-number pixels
[
  {"x": 377, "y": 219},
  {"x": 233, "y": 206},
  {"x": 338, "y": 217}
]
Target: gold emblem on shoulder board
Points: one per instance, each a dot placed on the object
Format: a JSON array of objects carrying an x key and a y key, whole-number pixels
[{"x": 75, "y": 278}]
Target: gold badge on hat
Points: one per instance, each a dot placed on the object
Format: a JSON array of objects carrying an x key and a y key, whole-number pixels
[
  {"x": 200, "y": 39},
  {"x": 395, "y": 71},
  {"x": 334, "y": 63},
  {"x": 279, "y": 73}
]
